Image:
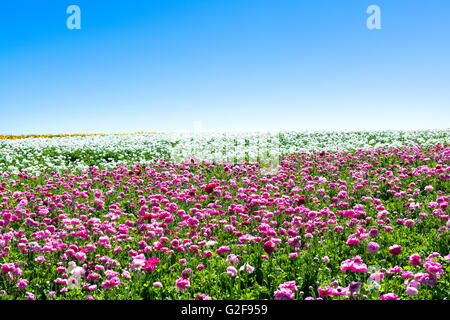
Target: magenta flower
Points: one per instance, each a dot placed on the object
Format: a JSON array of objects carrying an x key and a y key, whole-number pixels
[
  {"x": 284, "y": 294},
  {"x": 415, "y": 259},
  {"x": 373, "y": 247},
  {"x": 200, "y": 267},
  {"x": 354, "y": 265},
  {"x": 22, "y": 284},
  {"x": 223, "y": 249},
  {"x": 269, "y": 247},
  {"x": 150, "y": 264},
  {"x": 389, "y": 296},
  {"x": 432, "y": 266},
  {"x": 181, "y": 284},
  {"x": 288, "y": 285},
  {"x": 395, "y": 249}
]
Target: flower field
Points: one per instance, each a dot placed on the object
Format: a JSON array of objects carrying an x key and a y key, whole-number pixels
[{"x": 319, "y": 215}]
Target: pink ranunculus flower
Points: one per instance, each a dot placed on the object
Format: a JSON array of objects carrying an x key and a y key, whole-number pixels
[
  {"x": 412, "y": 291},
  {"x": 395, "y": 249},
  {"x": 269, "y": 247},
  {"x": 389, "y": 296},
  {"x": 231, "y": 271},
  {"x": 373, "y": 247},
  {"x": 415, "y": 259},
  {"x": 288, "y": 285},
  {"x": 181, "y": 284},
  {"x": 284, "y": 294},
  {"x": 247, "y": 268}
]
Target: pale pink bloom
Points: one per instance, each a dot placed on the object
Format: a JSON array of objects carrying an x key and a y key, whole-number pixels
[
  {"x": 40, "y": 259},
  {"x": 412, "y": 291},
  {"x": 247, "y": 268},
  {"x": 233, "y": 259},
  {"x": 231, "y": 271}
]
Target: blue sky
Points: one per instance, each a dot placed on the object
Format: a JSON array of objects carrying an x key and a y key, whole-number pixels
[{"x": 160, "y": 65}]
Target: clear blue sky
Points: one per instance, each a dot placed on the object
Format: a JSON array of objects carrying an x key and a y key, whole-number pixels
[{"x": 160, "y": 65}]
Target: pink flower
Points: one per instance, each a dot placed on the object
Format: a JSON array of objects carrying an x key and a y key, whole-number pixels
[
  {"x": 377, "y": 276},
  {"x": 415, "y": 259},
  {"x": 22, "y": 284},
  {"x": 395, "y": 249},
  {"x": 157, "y": 284},
  {"x": 200, "y": 267},
  {"x": 223, "y": 249},
  {"x": 103, "y": 240},
  {"x": 340, "y": 291},
  {"x": 323, "y": 292},
  {"x": 6, "y": 267},
  {"x": 284, "y": 294},
  {"x": 407, "y": 274},
  {"x": 80, "y": 256},
  {"x": 432, "y": 266},
  {"x": 40, "y": 259},
  {"x": 233, "y": 259},
  {"x": 231, "y": 271},
  {"x": 150, "y": 264},
  {"x": 352, "y": 241},
  {"x": 247, "y": 268},
  {"x": 354, "y": 265},
  {"x": 373, "y": 247},
  {"x": 409, "y": 223},
  {"x": 186, "y": 273},
  {"x": 181, "y": 284},
  {"x": 269, "y": 247},
  {"x": 389, "y": 296},
  {"x": 412, "y": 291},
  {"x": 202, "y": 296},
  {"x": 288, "y": 285}
]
